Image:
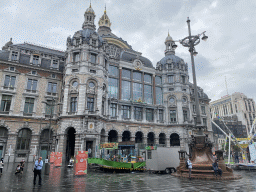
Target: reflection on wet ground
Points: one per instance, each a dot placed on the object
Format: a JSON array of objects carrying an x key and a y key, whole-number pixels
[{"x": 63, "y": 179}]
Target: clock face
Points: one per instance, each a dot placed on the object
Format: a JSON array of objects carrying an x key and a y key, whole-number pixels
[{"x": 74, "y": 84}]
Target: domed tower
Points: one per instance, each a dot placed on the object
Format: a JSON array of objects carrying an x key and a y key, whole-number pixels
[
  {"x": 175, "y": 84},
  {"x": 85, "y": 82}
]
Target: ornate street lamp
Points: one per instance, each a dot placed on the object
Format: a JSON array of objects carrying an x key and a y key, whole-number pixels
[
  {"x": 51, "y": 104},
  {"x": 191, "y": 41}
]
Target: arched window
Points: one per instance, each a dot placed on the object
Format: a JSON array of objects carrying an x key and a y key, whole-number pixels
[
  {"x": 45, "y": 136},
  {"x": 174, "y": 140},
  {"x": 24, "y": 138},
  {"x": 151, "y": 138}
]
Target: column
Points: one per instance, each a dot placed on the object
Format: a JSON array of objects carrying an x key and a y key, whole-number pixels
[
  {"x": 11, "y": 144},
  {"x": 81, "y": 99},
  {"x": 34, "y": 147},
  {"x": 65, "y": 101}
]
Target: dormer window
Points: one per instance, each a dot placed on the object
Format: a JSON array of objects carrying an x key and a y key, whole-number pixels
[
  {"x": 35, "y": 60},
  {"x": 76, "y": 57},
  {"x": 53, "y": 76},
  {"x": 12, "y": 69},
  {"x": 93, "y": 58},
  {"x": 14, "y": 56},
  {"x": 33, "y": 72},
  {"x": 55, "y": 64}
]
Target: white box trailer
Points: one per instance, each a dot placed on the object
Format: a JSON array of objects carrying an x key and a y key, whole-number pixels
[{"x": 163, "y": 159}]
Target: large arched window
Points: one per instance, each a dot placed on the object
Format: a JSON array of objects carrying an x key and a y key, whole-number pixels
[
  {"x": 174, "y": 140},
  {"x": 139, "y": 137},
  {"x": 45, "y": 136},
  {"x": 126, "y": 136},
  {"x": 24, "y": 138},
  {"x": 151, "y": 138},
  {"x": 162, "y": 139}
]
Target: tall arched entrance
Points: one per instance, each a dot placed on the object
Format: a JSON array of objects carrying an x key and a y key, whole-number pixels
[
  {"x": 112, "y": 136},
  {"x": 126, "y": 136},
  {"x": 151, "y": 138},
  {"x": 3, "y": 141},
  {"x": 139, "y": 137},
  {"x": 162, "y": 139},
  {"x": 44, "y": 138},
  {"x": 70, "y": 147},
  {"x": 174, "y": 139}
]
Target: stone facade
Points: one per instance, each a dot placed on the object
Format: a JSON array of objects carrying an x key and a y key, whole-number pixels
[{"x": 105, "y": 92}]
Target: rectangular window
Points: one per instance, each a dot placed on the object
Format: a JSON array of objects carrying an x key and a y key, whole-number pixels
[
  {"x": 103, "y": 107},
  {"x": 149, "y": 115},
  {"x": 183, "y": 78},
  {"x": 73, "y": 104},
  {"x": 171, "y": 79},
  {"x": 9, "y": 82},
  {"x": 6, "y": 103},
  {"x": 148, "y": 94},
  {"x": 113, "y": 88},
  {"x": 93, "y": 58},
  {"x": 138, "y": 113},
  {"x": 126, "y": 90},
  {"x": 172, "y": 115},
  {"x": 113, "y": 71},
  {"x": 158, "y": 80},
  {"x": 55, "y": 64},
  {"x": 204, "y": 121},
  {"x": 137, "y": 91},
  {"x": 148, "y": 78},
  {"x": 194, "y": 108},
  {"x": 126, "y": 73},
  {"x": 31, "y": 85},
  {"x": 29, "y": 105},
  {"x": 159, "y": 96},
  {"x": 14, "y": 56},
  {"x": 90, "y": 103},
  {"x": 52, "y": 87},
  {"x": 113, "y": 108},
  {"x": 76, "y": 57},
  {"x": 94, "y": 43},
  {"x": 49, "y": 109},
  {"x": 203, "y": 109},
  {"x": 137, "y": 76},
  {"x": 126, "y": 111},
  {"x": 185, "y": 115},
  {"x": 35, "y": 60},
  {"x": 161, "y": 115}
]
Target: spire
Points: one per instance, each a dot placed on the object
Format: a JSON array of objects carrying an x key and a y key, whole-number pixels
[
  {"x": 104, "y": 20},
  {"x": 168, "y": 33},
  {"x": 170, "y": 45}
]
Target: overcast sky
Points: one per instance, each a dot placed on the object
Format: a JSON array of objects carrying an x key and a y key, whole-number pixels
[{"x": 144, "y": 24}]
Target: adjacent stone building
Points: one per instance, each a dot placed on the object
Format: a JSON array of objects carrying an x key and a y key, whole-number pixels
[
  {"x": 99, "y": 90},
  {"x": 236, "y": 104}
]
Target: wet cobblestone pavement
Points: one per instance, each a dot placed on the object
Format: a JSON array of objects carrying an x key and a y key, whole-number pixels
[{"x": 62, "y": 179}]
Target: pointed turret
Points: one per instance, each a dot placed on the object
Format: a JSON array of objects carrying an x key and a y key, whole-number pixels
[{"x": 89, "y": 17}]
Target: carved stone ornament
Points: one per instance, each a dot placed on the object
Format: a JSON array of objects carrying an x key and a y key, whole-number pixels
[
  {"x": 113, "y": 51},
  {"x": 137, "y": 64}
]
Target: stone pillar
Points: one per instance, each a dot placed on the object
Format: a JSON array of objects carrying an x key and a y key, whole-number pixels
[
  {"x": 81, "y": 100},
  {"x": 77, "y": 142},
  {"x": 34, "y": 147},
  {"x": 119, "y": 138},
  {"x": 65, "y": 101},
  {"x": 11, "y": 144},
  {"x": 167, "y": 142},
  {"x": 62, "y": 141},
  {"x": 156, "y": 140}
]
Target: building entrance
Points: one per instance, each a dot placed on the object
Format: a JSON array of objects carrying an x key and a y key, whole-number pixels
[
  {"x": 89, "y": 148},
  {"x": 70, "y": 147},
  {"x": 1, "y": 151}
]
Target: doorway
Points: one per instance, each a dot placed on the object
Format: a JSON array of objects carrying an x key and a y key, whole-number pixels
[
  {"x": 89, "y": 148},
  {"x": 70, "y": 147},
  {"x": 1, "y": 151}
]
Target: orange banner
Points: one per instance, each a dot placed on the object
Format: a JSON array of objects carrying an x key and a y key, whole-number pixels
[
  {"x": 52, "y": 157},
  {"x": 81, "y": 162},
  {"x": 58, "y": 159}
]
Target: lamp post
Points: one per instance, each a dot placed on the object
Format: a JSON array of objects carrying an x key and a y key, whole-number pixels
[
  {"x": 190, "y": 42},
  {"x": 47, "y": 166}
]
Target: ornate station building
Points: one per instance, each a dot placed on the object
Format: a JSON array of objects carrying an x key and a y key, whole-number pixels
[{"x": 99, "y": 90}]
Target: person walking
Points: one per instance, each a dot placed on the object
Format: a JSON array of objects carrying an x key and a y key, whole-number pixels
[
  {"x": 189, "y": 167},
  {"x": 37, "y": 170},
  {"x": 1, "y": 165},
  {"x": 22, "y": 165},
  {"x": 216, "y": 169}
]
